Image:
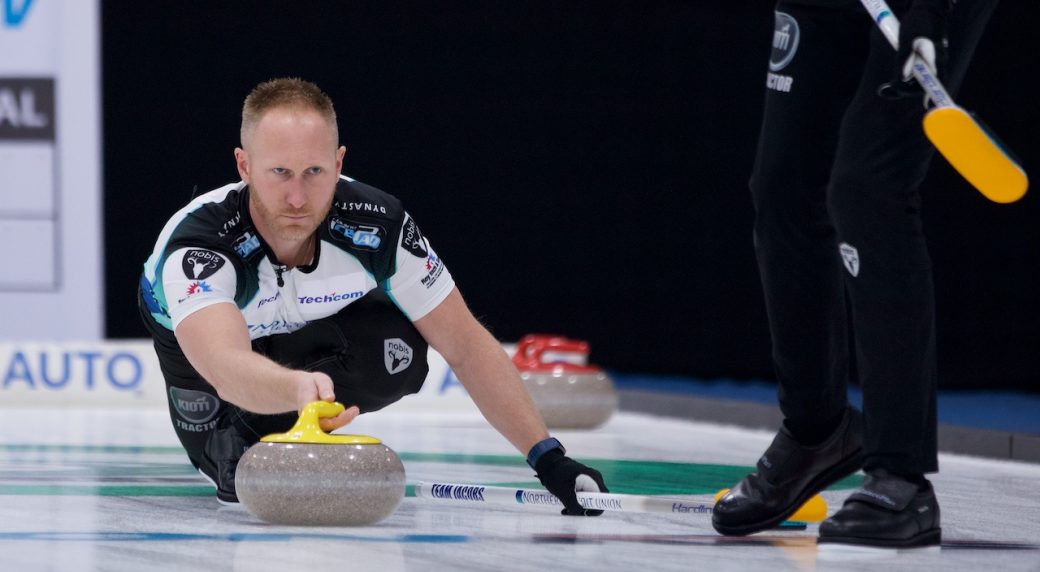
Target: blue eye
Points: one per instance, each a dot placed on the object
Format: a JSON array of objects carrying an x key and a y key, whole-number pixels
[
  {"x": 279, "y": 171},
  {"x": 314, "y": 170}
]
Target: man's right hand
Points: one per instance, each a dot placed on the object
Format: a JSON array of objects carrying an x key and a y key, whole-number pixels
[
  {"x": 922, "y": 34},
  {"x": 316, "y": 386}
]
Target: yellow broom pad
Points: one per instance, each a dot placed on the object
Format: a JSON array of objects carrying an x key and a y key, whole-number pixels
[{"x": 975, "y": 155}]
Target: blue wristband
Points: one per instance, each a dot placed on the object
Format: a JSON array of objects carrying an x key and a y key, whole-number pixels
[{"x": 542, "y": 447}]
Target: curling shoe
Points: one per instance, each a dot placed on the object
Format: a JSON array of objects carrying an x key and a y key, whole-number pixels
[
  {"x": 223, "y": 449},
  {"x": 787, "y": 475},
  {"x": 888, "y": 512}
]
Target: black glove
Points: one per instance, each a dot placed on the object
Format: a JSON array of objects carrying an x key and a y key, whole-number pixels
[
  {"x": 922, "y": 31},
  {"x": 561, "y": 475}
]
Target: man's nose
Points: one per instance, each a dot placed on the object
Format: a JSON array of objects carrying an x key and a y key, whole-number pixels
[{"x": 297, "y": 195}]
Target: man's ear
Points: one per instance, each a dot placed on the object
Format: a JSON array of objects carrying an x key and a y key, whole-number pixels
[{"x": 242, "y": 162}]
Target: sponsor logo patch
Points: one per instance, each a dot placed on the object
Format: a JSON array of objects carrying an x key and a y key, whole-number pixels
[
  {"x": 316, "y": 296},
  {"x": 230, "y": 224},
  {"x": 263, "y": 301},
  {"x": 473, "y": 493},
  {"x": 434, "y": 268},
  {"x": 275, "y": 327},
  {"x": 358, "y": 235},
  {"x": 200, "y": 264},
  {"x": 691, "y": 508},
  {"x": 785, "y": 44},
  {"x": 330, "y": 297},
  {"x": 246, "y": 244},
  {"x": 850, "y": 257},
  {"x": 397, "y": 355},
  {"x": 198, "y": 288},
  {"x": 777, "y": 82},
  {"x": 194, "y": 406},
  {"x": 785, "y": 41},
  {"x": 412, "y": 240},
  {"x": 359, "y": 207}
]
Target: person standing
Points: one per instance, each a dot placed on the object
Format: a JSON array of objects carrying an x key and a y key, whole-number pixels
[{"x": 845, "y": 269}]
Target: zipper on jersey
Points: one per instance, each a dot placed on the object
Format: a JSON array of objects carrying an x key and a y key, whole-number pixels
[{"x": 278, "y": 269}]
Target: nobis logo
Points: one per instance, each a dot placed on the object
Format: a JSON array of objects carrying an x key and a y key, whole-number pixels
[
  {"x": 785, "y": 41},
  {"x": 194, "y": 406},
  {"x": 850, "y": 257},
  {"x": 412, "y": 240},
  {"x": 397, "y": 355},
  {"x": 200, "y": 264}
]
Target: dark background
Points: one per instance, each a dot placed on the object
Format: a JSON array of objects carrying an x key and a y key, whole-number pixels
[{"x": 581, "y": 166}]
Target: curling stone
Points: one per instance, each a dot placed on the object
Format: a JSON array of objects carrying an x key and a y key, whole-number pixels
[
  {"x": 310, "y": 477},
  {"x": 567, "y": 391}
]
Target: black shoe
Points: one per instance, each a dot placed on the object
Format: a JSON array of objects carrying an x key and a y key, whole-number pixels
[
  {"x": 224, "y": 447},
  {"x": 889, "y": 512},
  {"x": 224, "y": 497},
  {"x": 788, "y": 475}
]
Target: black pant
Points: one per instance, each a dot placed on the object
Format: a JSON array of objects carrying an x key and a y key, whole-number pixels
[
  {"x": 358, "y": 348},
  {"x": 835, "y": 190}
]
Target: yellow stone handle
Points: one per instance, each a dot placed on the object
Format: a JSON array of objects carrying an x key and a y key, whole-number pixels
[{"x": 308, "y": 430}]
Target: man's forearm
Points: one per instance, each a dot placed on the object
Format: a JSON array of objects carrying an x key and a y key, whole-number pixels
[
  {"x": 485, "y": 371},
  {"x": 216, "y": 342},
  {"x": 495, "y": 386},
  {"x": 252, "y": 382}
]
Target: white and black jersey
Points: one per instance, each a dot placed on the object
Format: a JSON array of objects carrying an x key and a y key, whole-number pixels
[{"x": 210, "y": 253}]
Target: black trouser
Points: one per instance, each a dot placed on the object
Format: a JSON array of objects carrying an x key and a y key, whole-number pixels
[
  {"x": 838, "y": 165},
  {"x": 358, "y": 348}
]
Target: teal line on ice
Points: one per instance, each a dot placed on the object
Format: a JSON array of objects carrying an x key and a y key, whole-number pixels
[
  {"x": 226, "y": 537},
  {"x": 28, "y": 447},
  {"x": 622, "y": 476},
  {"x": 119, "y": 490}
]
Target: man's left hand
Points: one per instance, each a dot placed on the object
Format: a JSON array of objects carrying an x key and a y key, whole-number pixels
[{"x": 563, "y": 476}]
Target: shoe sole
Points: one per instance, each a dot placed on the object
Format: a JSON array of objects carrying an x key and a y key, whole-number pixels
[
  {"x": 223, "y": 501},
  {"x": 850, "y": 465},
  {"x": 927, "y": 538}
]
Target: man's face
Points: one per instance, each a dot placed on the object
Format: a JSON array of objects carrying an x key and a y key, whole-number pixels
[{"x": 291, "y": 164}]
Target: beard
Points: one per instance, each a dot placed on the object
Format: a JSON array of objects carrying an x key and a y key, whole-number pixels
[{"x": 286, "y": 229}]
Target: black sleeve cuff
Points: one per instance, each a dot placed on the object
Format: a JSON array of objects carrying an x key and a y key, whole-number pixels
[{"x": 542, "y": 447}]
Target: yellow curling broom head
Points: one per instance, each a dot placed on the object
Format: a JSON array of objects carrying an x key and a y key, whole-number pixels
[
  {"x": 976, "y": 154},
  {"x": 814, "y": 509}
]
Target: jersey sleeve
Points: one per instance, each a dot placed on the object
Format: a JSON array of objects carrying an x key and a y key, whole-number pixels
[
  {"x": 194, "y": 278},
  {"x": 420, "y": 281}
]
